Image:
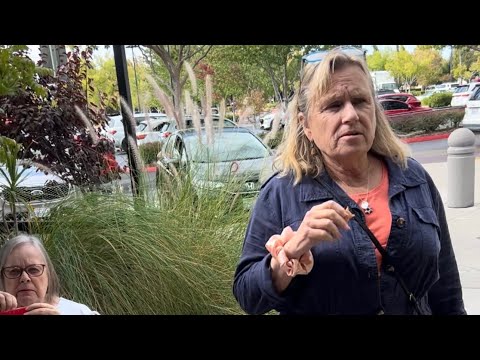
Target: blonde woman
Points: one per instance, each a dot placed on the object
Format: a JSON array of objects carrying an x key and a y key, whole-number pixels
[{"x": 350, "y": 224}]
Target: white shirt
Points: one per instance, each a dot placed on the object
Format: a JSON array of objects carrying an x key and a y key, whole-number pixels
[{"x": 69, "y": 307}]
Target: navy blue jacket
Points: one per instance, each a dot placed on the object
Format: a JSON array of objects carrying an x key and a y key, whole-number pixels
[{"x": 344, "y": 278}]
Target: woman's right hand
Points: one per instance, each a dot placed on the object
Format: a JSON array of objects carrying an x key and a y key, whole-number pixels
[
  {"x": 7, "y": 301},
  {"x": 321, "y": 223}
]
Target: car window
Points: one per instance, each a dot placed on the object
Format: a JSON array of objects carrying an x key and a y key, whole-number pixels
[
  {"x": 394, "y": 105},
  {"x": 476, "y": 95},
  {"x": 161, "y": 127},
  {"x": 141, "y": 127},
  {"x": 227, "y": 146},
  {"x": 168, "y": 149},
  {"x": 461, "y": 88}
]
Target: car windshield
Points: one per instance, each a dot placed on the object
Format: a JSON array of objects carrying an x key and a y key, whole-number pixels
[{"x": 228, "y": 146}]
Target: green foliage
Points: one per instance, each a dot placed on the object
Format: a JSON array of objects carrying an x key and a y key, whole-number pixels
[
  {"x": 427, "y": 122},
  {"x": 438, "y": 100},
  {"x": 402, "y": 66},
  {"x": 377, "y": 60},
  {"x": 430, "y": 65},
  {"x": 274, "y": 142},
  {"x": 149, "y": 152},
  {"x": 173, "y": 255},
  {"x": 10, "y": 173},
  {"x": 51, "y": 130},
  {"x": 17, "y": 71}
]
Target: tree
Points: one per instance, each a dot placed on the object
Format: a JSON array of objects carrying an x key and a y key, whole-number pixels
[
  {"x": 104, "y": 76},
  {"x": 17, "y": 71},
  {"x": 235, "y": 78},
  {"x": 173, "y": 58},
  {"x": 377, "y": 61},
  {"x": 429, "y": 62},
  {"x": 402, "y": 65},
  {"x": 51, "y": 130}
]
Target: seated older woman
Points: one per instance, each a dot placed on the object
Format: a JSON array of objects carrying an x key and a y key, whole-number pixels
[{"x": 28, "y": 279}]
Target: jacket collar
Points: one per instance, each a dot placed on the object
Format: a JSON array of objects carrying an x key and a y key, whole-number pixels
[{"x": 399, "y": 179}]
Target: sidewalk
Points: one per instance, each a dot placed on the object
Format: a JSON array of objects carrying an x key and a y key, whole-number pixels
[{"x": 464, "y": 226}]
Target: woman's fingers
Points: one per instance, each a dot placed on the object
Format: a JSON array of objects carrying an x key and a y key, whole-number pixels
[
  {"x": 7, "y": 301},
  {"x": 42, "y": 309}
]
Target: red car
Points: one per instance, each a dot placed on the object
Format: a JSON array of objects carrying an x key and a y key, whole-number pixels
[
  {"x": 395, "y": 107},
  {"x": 403, "y": 97}
]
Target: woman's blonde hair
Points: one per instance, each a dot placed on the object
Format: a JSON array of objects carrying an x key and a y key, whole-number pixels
[{"x": 295, "y": 152}]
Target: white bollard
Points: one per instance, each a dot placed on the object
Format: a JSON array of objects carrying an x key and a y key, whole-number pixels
[{"x": 461, "y": 168}]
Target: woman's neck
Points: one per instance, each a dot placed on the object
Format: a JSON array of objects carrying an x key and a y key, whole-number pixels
[{"x": 353, "y": 173}]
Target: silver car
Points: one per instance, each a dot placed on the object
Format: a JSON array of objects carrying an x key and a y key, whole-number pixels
[
  {"x": 36, "y": 194},
  {"x": 236, "y": 155}
]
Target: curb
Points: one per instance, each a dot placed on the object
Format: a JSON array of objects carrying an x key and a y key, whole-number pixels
[
  {"x": 148, "y": 169},
  {"x": 426, "y": 138}
]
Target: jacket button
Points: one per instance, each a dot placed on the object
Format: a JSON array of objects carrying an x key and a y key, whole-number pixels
[{"x": 400, "y": 222}]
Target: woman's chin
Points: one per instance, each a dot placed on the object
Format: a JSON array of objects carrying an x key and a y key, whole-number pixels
[{"x": 26, "y": 300}]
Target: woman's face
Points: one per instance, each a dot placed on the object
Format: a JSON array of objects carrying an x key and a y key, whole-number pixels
[
  {"x": 342, "y": 124},
  {"x": 27, "y": 289}
]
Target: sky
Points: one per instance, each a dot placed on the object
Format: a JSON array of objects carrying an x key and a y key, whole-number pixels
[{"x": 102, "y": 52}]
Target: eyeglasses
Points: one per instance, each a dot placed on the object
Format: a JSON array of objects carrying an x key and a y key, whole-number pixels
[
  {"x": 14, "y": 272},
  {"x": 318, "y": 56}
]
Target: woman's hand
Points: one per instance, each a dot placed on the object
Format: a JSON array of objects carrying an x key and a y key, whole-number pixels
[
  {"x": 7, "y": 301},
  {"x": 321, "y": 223},
  {"x": 42, "y": 309}
]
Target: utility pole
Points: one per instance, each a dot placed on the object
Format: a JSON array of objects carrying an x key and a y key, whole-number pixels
[
  {"x": 129, "y": 130},
  {"x": 53, "y": 56}
]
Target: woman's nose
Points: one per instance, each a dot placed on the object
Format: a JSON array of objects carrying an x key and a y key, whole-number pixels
[
  {"x": 349, "y": 112},
  {"x": 24, "y": 277}
]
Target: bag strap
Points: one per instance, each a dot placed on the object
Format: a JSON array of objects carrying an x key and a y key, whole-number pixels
[{"x": 386, "y": 259}]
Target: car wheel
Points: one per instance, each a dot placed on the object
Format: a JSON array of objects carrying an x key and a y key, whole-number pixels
[{"x": 124, "y": 144}]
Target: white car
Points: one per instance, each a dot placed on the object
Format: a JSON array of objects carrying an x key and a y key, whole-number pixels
[
  {"x": 153, "y": 130},
  {"x": 463, "y": 92},
  {"x": 36, "y": 194},
  {"x": 471, "y": 119},
  {"x": 116, "y": 130}
]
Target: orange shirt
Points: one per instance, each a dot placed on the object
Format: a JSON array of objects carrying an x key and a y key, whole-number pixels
[{"x": 379, "y": 221}]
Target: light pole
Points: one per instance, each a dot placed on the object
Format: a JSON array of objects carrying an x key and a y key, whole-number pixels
[
  {"x": 124, "y": 91},
  {"x": 135, "y": 74}
]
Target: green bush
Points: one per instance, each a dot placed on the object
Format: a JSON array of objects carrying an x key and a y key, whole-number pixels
[
  {"x": 416, "y": 92},
  {"x": 275, "y": 141},
  {"x": 149, "y": 152},
  {"x": 438, "y": 100},
  {"x": 173, "y": 253},
  {"x": 428, "y": 121}
]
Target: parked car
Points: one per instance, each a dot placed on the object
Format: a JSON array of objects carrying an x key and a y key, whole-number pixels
[
  {"x": 471, "y": 119},
  {"x": 36, "y": 194},
  {"x": 154, "y": 130},
  {"x": 462, "y": 93},
  {"x": 160, "y": 128},
  {"x": 395, "y": 107},
  {"x": 403, "y": 97},
  {"x": 235, "y": 155},
  {"x": 267, "y": 120},
  {"x": 115, "y": 129}
]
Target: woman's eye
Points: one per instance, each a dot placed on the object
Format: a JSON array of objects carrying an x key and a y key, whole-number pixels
[
  {"x": 359, "y": 101},
  {"x": 334, "y": 105}
]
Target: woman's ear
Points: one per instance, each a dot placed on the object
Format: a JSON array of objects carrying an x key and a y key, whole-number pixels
[{"x": 303, "y": 122}]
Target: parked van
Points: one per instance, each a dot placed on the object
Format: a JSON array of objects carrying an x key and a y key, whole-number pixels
[{"x": 463, "y": 92}]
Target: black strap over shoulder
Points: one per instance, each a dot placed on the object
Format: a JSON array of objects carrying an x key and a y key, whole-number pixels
[{"x": 386, "y": 259}]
